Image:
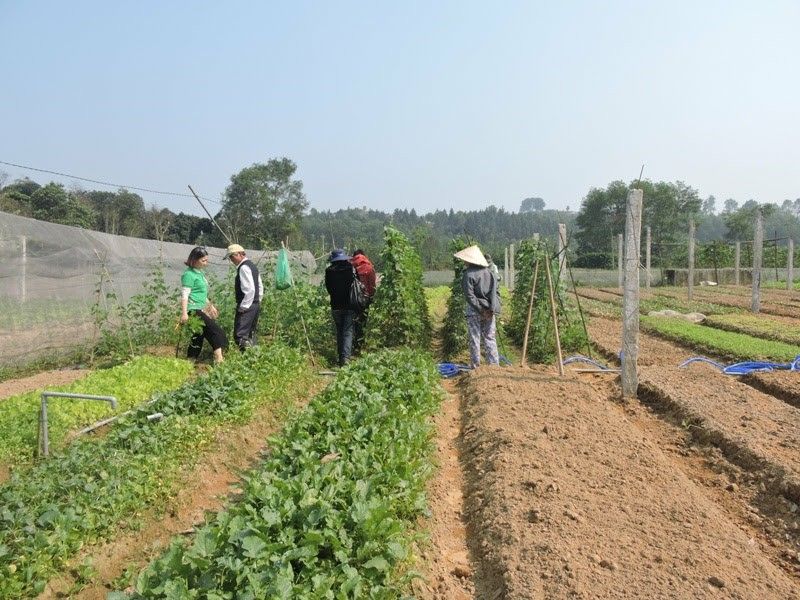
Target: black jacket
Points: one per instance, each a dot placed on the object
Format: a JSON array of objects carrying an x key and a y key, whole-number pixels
[{"x": 338, "y": 279}]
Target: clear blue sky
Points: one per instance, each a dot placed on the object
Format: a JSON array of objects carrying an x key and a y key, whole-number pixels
[{"x": 408, "y": 104}]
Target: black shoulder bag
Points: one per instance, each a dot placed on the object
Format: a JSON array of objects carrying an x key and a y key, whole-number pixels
[{"x": 358, "y": 293}]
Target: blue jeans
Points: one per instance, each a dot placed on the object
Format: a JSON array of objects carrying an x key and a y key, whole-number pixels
[{"x": 344, "y": 333}]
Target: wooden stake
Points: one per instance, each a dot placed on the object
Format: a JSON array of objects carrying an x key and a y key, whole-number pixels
[
  {"x": 555, "y": 316},
  {"x": 530, "y": 310},
  {"x": 758, "y": 247},
  {"x": 630, "y": 299}
]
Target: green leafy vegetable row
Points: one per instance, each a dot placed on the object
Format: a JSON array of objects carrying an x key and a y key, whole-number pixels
[
  {"x": 330, "y": 514},
  {"x": 131, "y": 383},
  {"x": 97, "y": 486},
  {"x": 760, "y": 326},
  {"x": 725, "y": 344}
]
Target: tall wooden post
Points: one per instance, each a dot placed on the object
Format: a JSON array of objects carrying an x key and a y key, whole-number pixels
[
  {"x": 620, "y": 273},
  {"x": 647, "y": 258},
  {"x": 790, "y": 265},
  {"x": 690, "y": 289},
  {"x": 758, "y": 247},
  {"x": 737, "y": 263},
  {"x": 562, "y": 250},
  {"x": 630, "y": 297},
  {"x": 505, "y": 266},
  {"x": 23, "y": 275},
  {"x": 511, "y": 274}
]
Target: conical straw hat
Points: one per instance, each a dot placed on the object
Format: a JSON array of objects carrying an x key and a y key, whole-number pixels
[{"x": 472, "y": 255}]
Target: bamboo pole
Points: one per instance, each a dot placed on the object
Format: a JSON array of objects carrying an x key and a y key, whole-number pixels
[
  {"x": 555, "y": 316},
  {"x": 530, "y": 311}
]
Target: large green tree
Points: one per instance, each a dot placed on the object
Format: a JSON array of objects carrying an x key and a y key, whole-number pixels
[
  {"x": 667, "y": 209},
  {"x": 263, "y": 204},
  {"x": 53, "y": 203}
]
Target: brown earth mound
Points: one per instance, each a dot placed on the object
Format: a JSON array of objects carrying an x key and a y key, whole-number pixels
[{"x": 567, "y": 497}]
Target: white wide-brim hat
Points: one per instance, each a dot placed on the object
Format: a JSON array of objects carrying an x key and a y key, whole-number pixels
[{"x": 472, "y": 255}]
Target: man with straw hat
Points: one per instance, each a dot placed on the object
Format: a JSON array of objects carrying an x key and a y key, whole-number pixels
[
  {"x": 483, "y": 303},
  {"x": 249, "y": 290}
]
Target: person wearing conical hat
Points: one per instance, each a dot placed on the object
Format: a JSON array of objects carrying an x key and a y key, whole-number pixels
[{"x": 483, "y": 303}]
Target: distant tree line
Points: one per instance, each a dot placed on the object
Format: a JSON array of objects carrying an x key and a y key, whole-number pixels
[
  {"x": 667, "y": 209},
  {"x": 264, "y": 205}
]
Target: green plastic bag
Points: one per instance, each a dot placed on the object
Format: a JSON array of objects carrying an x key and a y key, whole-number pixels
[{"x": 283, "y": 274}]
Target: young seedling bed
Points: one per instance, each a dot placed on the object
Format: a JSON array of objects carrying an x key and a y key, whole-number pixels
[{"x": 131, "y": 383}]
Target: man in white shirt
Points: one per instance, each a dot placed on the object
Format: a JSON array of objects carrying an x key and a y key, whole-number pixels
[{"x": 249, "y": 291}]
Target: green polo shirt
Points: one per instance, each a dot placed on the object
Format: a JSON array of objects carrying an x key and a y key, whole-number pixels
[{"x": 196, "y": 282}]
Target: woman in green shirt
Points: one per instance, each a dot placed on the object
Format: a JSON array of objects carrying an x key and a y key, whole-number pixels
[{"x": 194, "y": 301}]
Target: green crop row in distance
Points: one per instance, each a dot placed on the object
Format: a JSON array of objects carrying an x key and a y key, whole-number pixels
[
  {"x": 98, "y": 486},
  {"x": 331, "y": 513},
  {"x": 736, "y": 346},
  {"x": 760, "y": 326}
]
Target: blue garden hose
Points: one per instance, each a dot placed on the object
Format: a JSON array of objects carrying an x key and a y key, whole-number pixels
[
  {"x": 747, "y": 367},
  {"x": 448, "y": 370},
  {"x": 583, "y": 359}
]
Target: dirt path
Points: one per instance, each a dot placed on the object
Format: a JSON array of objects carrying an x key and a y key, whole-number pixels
[
  {"x": 40, "y": 381},
  {"x": 206, "y": 487},
  {"x": 570, "y": 497},
  {"x": 448, "y": 568}
]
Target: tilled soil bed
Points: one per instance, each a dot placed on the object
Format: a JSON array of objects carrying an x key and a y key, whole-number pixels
[
  {"x": 568, "y": 497},
  {"x": 756, "y": 429}
]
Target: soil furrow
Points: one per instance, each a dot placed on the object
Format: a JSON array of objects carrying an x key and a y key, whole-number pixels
[{"x": 569, "y": 498}]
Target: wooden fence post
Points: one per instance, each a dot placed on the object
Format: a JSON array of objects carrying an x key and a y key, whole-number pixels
[
  {"x": 691, "y": 259},
  {"x": 630, "y": 297},
  {"x": 758, "y": 247},
  {"x": 505, "y": 266},
  {"x": 790, "y": 265},
  {"x": 620, "y": 274},
  {"x": 512, "y": 276},
  {"x": 23, "y": 275},
  {"x": 737, "y": 264},
  {"x": 647, "y": 258}
]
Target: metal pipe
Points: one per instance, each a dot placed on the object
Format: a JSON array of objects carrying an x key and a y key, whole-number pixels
[{"x": 43, "y": 424}]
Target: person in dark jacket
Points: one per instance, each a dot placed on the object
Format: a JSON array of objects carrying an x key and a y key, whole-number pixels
[
  {"x": 483, "y": 303},
  {"x": 339, "y": 278},
  {"x": 249, "y": 290},
  {"x": 366, "y": 275}
]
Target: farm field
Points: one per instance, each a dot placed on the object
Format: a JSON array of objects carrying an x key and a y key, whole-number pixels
[{"x": 384, "y": 481}]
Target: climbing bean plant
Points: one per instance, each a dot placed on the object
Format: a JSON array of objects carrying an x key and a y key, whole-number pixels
[
  {"x": 453, "y": 334},
  {"x": 541, "y": 338},
  {"x": 399, "y": 314}
]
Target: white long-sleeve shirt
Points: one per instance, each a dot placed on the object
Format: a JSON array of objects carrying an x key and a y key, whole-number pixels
[{"x": 248, "y": 286}]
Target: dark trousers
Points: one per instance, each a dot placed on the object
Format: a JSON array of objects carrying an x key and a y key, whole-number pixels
[
  {"x": 343, "y": 319},
  {"x": 211, "y": 331},
  {"x": 359, "y": 325},
  {"x": 244, "y": 326}
]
